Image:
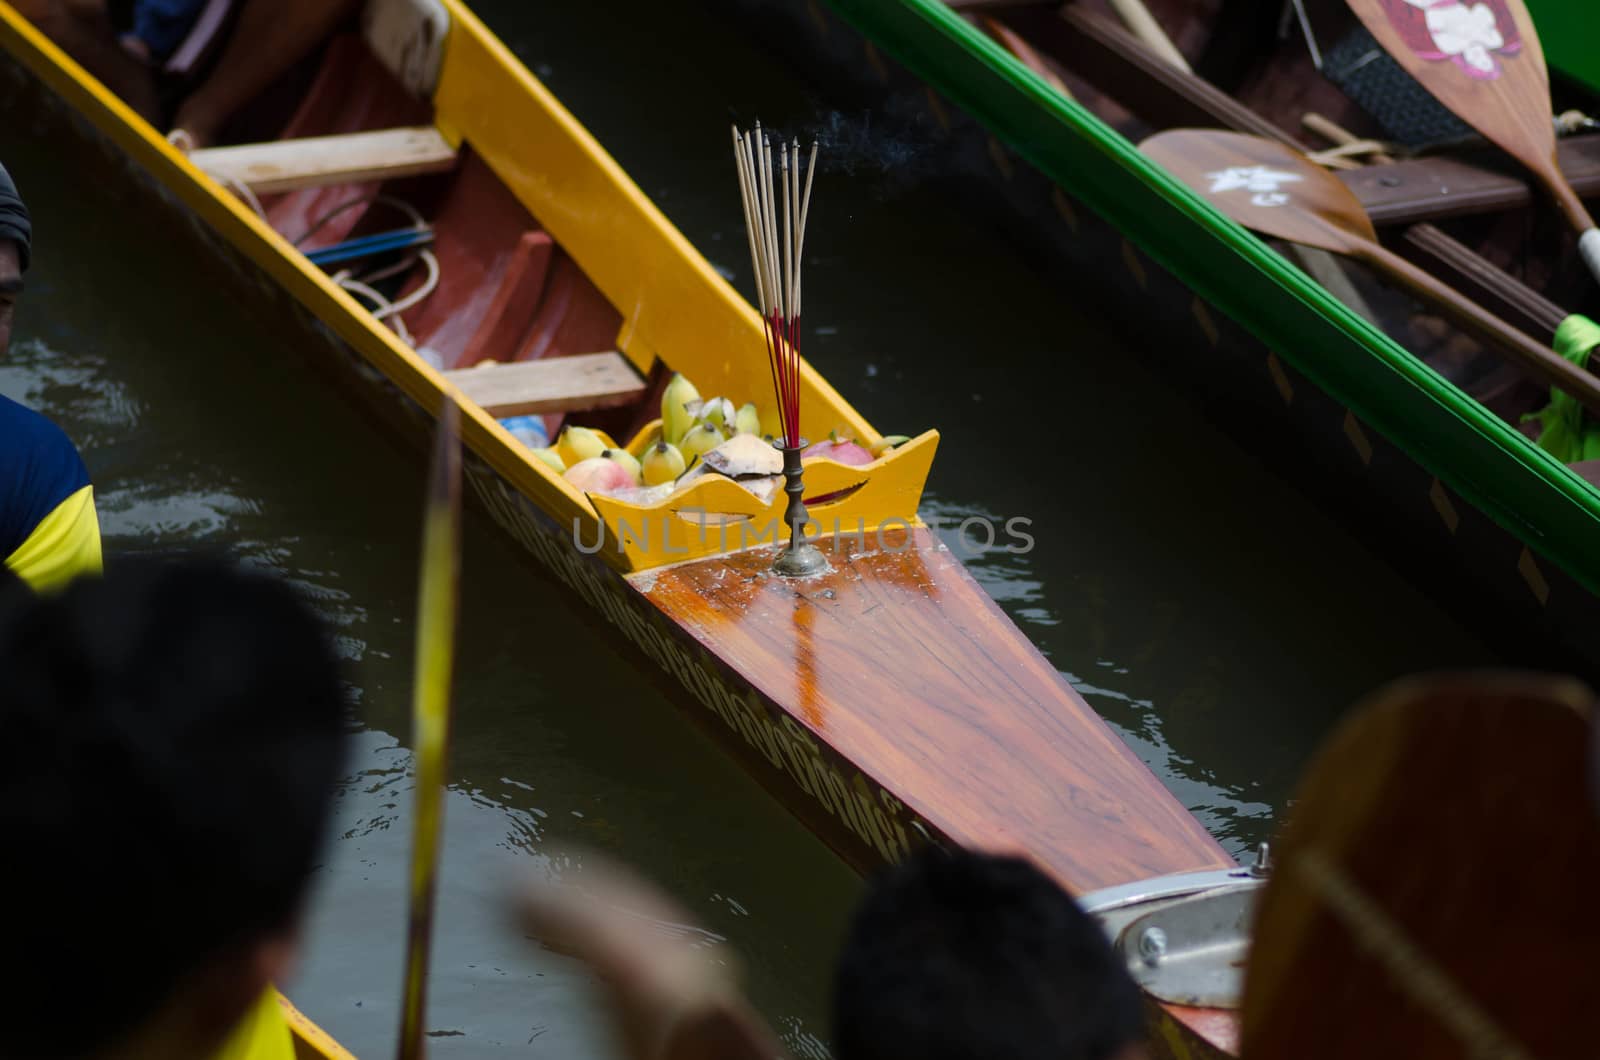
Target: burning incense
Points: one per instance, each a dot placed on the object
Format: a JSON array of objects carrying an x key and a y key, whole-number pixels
[{"x": 777, "y": 204}]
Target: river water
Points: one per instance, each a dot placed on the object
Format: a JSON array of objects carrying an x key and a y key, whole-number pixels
[{"x": 1222, "y": 653}]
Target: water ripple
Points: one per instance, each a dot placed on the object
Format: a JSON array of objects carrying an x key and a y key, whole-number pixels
[
  {"x": 156, "y": 513},
  {"x": 72, "y": 387}
]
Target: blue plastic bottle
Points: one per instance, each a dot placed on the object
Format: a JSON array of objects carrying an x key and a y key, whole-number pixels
[{"x": 529, "y": 430}]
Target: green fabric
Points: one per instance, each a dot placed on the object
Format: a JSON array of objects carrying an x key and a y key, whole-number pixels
[
  {"x": 1566, "y": 29},
  {"x": 1568, "y": 434}
]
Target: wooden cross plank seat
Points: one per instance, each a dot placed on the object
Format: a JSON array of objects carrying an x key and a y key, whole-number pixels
[
  {"x": 321, "y": 161},
  {"x": 581, "y": 382}
]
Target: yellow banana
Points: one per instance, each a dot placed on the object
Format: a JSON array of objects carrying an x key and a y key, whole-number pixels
[
  {"x": 890, "y": 441},
  {"x": 578, "y": 444},
  {"x": 663, "y": 462},
  {"x": 551, "y": 457},
  {"x": 675, "y": 419},
  {"x": 700, "y": 441},
  {"x": 720, "y": 413},
  {"x": 629, "y": 463}
]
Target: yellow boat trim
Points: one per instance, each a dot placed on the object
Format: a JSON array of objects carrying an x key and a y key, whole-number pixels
[{"x": 311, "y": 1042}]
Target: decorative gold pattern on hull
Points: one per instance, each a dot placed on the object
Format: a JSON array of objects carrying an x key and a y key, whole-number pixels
[
  {"x": 875, "y": 61},
  {"x": 1130, "y": 258},
  {"x": 936, "y": 108},
  {"x": 1001, "y": 158},
  {"x": 1528, "y": 567},
  {"x": 1208, "y": 327},
  {"x": 1358, "y": 437},
  {"x": 1444, "y": 506},
  {"x": 1280, "y": 378},
  {"x": 1063, "y": 206}
]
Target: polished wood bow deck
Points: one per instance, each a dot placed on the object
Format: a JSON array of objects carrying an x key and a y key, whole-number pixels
[{"x": 903, "y": 665}]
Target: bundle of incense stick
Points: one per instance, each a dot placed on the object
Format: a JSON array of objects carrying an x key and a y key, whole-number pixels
[{"x": 775, "y": 211}]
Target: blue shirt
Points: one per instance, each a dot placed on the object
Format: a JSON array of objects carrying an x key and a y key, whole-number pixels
[{"x": 163, "y": 24}]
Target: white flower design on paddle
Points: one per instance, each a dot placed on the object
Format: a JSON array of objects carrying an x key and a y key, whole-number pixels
[
  {"x": 1476, "y": 35},
  {"x": 1261, "y": 180},
  {"x": 1468, "y": 34}
]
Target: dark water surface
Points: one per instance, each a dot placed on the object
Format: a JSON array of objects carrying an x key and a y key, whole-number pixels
[{"x": 1217, "y": 620}]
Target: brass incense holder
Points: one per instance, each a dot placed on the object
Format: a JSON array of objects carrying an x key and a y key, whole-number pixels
[{"x": 800, "y": 559}]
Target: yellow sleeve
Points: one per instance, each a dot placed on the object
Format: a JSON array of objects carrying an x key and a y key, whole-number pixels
[
  {"x": 65, "y": 544},
  {"x": 263, "y": 1034}
]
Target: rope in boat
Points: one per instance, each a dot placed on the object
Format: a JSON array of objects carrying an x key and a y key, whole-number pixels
[
  {"x": 383, "y": 307},
  {"x": 417, "y": 220},
  {"x": 181, "y": 139},
  {"x": 389, "y": 310},
  {"x": 361, "y": 284}
]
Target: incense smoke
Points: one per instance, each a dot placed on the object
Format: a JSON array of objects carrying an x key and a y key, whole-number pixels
[{"x": 866, "y": 143}]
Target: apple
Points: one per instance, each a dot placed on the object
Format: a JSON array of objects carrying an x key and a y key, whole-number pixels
[
  {"x": 599, "y": 475},
  {"x": 844, "y": 452}
]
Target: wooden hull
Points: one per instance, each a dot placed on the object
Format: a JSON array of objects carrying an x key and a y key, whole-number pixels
[
  {"x": 1458, "y": 498},
  {"x": 888, "y": 704}
]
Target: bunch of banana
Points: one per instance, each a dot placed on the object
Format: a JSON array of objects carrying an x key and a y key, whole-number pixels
[
  {"x": 691, "y": 427},
  {"x": 579, "y": 455}
]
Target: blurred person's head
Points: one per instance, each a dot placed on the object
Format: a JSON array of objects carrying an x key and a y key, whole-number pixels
[
  {"x": 177, "y": 733},
  {"x": 957, "y": 955},
  {"x": 16, "y": 235}
]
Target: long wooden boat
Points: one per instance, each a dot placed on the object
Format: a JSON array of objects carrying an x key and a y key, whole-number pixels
[
  {"x": 1418, "y": 448},
  {"x": 887, "y": 703}
]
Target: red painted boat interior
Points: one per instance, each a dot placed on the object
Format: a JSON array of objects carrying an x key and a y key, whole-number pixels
[{"x": 505, "y": 292}]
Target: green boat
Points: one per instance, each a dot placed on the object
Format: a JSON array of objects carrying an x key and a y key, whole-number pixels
[{"x": 1418, "y": 437}]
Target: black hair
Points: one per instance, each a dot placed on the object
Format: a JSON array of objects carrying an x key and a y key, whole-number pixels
[
  {"x": 177, "y": 733},
  {"x": 959, "y": 955}
]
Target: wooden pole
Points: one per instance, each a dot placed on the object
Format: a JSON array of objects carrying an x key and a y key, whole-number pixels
[{"x": 1142, "y": 24}]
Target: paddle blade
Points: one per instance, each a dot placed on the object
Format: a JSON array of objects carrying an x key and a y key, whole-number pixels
[
  {"x": 1433, "y": 893},
  {"x": 1481, "y": 59},
  {"x": 1265, "y": 186},
  {"x": 437, "y": 607}
]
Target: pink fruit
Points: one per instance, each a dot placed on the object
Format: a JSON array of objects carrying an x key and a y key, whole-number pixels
[
  {"x": 599, "y": 475},
  {"x": 842, "y": 451}
]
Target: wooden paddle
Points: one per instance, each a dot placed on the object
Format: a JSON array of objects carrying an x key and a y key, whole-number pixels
[
  {"x": 1278, "y": 191},
  {"x": 437, "y": 605},
  {"x": 1432, "y": 895},
  {"x": 1483, "y": 61}
]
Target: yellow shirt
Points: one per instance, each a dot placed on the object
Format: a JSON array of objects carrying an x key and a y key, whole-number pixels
[{"x": 63, "y": 545}]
